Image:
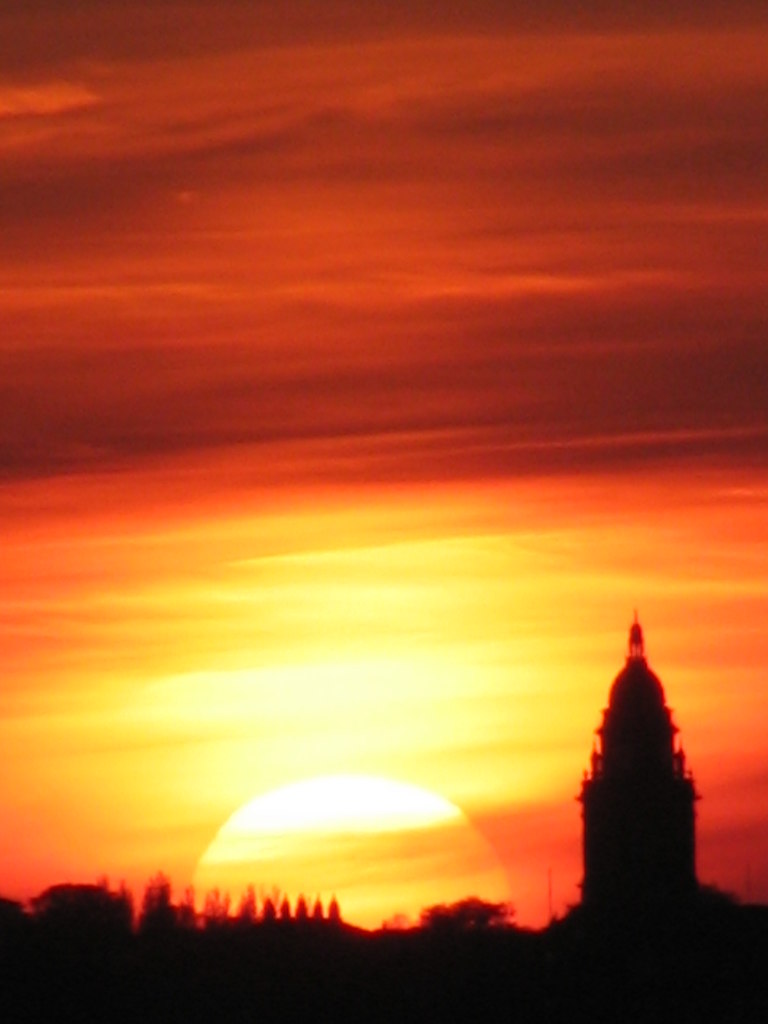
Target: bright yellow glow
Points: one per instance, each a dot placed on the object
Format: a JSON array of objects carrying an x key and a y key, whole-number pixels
[
  {"x": 463, "y": 639},
  {"x": 341, "y": 802},
  {"x": 385, "y": 849}
]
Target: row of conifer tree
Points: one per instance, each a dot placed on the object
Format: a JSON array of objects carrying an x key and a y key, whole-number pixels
[{"x": 100, "y": 907}]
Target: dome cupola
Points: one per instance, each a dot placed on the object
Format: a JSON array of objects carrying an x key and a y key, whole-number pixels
[{"x": 637, "y": 733}]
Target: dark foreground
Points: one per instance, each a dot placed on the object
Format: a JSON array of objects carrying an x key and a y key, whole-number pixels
[{"x": 706, "y": 965}]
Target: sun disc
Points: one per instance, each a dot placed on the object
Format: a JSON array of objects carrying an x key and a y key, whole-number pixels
[{"x": 384, "y": 848}]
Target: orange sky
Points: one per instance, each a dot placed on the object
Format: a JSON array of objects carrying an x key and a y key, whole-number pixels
[{"x": 362, "y": 368}]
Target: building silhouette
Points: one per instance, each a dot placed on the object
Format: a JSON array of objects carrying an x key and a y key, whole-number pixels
[{"x": 638, "y": 798}]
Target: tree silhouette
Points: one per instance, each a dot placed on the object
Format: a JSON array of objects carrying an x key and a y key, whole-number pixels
[
  {"x": 334, "y": 911},
  {"x": 84, "y": 910},
  {"x": 186, "y": 914},
  {"x": 246, "y": 911},
  {"x": 470, "y": 913},
  {"x": 157, "y": 910},
  {"x": 216, "y": 909}
]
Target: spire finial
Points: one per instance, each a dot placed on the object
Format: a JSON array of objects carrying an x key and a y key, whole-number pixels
[{"x": 636, "y": 643}]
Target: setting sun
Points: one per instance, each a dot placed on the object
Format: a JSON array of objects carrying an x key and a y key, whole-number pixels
[{"x": 384, "y": 849}]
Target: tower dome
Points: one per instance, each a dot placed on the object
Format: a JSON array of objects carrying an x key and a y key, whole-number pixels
[
  {"x": 637, "y": 733},
  {"x": 636, "y": 693}
]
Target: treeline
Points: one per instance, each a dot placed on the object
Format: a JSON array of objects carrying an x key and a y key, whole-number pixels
[
  {"x": 93, "y": 953},
  {"x": 99, "y": 908}
]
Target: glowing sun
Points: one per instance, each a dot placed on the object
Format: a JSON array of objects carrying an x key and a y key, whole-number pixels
[{"x": 384, "y": 849}]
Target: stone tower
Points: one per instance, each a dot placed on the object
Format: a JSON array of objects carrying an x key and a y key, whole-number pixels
[{"x": 637, "y": 799}]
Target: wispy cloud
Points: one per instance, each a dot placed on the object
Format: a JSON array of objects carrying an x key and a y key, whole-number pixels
[{"x": 45, "y": 100}]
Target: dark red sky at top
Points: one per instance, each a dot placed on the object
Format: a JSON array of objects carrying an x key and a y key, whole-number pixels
[{"x": 225, "y": 225}]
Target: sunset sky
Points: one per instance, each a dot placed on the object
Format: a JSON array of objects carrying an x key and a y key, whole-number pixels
[{"x": 363, "y": 366}]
